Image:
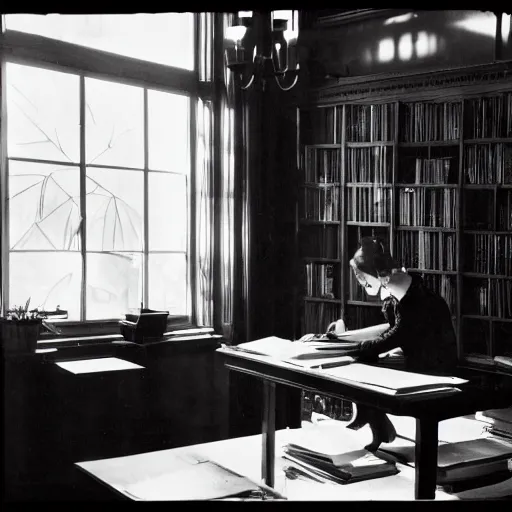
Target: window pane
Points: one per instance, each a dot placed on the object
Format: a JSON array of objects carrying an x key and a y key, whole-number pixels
[
  {"x": 168, "y": 127},
  {"x": 164, "y": 38},
  {"x": 167, "y": 205},
  {"x": 114, "y": 124},
  {"x": 115, "y": 209},
  {"x": 114, "y": 284},
  {"x": 168, "y": 283},
  {"x": 43, "y": 114},
  {"x": 44, "y": 206},
  {"x": 49, "y": 279}
]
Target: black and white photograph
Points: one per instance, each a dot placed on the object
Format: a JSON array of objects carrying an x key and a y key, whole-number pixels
[{"x": 256, "y": 256}]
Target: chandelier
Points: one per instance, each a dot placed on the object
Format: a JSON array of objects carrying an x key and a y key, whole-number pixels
[{"x": 262, "y": 45}]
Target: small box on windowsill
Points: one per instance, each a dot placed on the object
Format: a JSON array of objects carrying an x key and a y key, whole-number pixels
[{"x": 144, "y": 325}]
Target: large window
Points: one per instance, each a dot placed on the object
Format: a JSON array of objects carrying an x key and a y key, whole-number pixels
[
  {"x": 164, "y": 38},
  {"x": 99, "y": 176}
]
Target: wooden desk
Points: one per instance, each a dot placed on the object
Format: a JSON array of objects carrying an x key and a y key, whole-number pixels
[{"x": 428, "y": 410}]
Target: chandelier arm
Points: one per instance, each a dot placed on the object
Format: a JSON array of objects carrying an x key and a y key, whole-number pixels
[
  {"x": 289, "y": 87},
  {"x": 244, "y": 87}
]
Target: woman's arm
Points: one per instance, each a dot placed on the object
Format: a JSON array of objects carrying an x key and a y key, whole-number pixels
[{"x": 390, "y": 339}]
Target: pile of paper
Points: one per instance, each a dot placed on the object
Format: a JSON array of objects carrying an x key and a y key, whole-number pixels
[
  {"x": 308, "y": 354},
  {"x": 393, "y": 382},
  {"x": 335, "y": 455}
]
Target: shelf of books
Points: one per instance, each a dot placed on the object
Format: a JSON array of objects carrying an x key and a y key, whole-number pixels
[
  {"x": 427, "y": 195},
  {"x": 487, "y": 231},
  {"x": 320, "y": 219},
  {"x": 368, "y": 187},
  {"x": 432, "y": 177}
]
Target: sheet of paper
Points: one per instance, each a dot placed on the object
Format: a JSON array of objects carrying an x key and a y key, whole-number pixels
[
  {"x": 364, "y": 334},
  {"x": 204, "y": 481},
  {"x": 328, "y": 362},
  {"x": 331, "y": 438},
  {"x": 390, "y": 378},
  {"x": 103, "y": 364}
]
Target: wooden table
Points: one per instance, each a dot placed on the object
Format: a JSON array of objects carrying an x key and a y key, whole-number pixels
[
  {"x": 428, "y": 410},
  {"x": 243, "y": 456}
]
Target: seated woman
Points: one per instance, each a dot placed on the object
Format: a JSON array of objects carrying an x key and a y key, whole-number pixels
[{"x": 419, "y": 323}]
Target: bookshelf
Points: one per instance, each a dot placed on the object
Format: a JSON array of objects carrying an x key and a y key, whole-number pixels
[{"x": 434, "y": 178}]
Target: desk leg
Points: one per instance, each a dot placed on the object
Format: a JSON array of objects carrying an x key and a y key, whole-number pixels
[
  {"x": 426, "y": 459},
  {"x": 268, "y": 433}
]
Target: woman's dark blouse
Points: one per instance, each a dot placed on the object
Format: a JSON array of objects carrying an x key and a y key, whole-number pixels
[{"x": 421, "y": 325}]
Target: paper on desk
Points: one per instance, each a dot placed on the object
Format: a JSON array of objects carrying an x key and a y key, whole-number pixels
[
  {"x": 283, "y": 349},
  {"x": 328, "y": 362},
  {"x": 388, "y": 378},
  {"x": 203, "y": 481},
  {"x": 363, "y": 334},
  {"x": 103, "y": 364}
]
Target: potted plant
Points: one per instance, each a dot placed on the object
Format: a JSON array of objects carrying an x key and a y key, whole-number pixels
[{"x": 20, "y": 328}]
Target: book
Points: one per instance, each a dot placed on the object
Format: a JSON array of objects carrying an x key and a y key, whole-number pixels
[
  {"x": 493, "y": 415},
  {"x": 460, "y": 460}
]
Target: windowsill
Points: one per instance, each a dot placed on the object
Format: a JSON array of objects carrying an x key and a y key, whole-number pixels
[{"x": 106, "y": 339}]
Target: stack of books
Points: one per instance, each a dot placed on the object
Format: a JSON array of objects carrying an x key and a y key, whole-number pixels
[
  {"x": 341, "y": 468},
  {"x": 332, "y": 453},
  {"x": 459, "y": 461}
]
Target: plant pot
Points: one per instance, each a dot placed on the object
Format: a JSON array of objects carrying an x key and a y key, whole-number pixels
[{"x": 19, "y": 336}]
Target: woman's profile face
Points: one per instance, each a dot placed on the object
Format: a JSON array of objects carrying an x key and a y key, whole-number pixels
[{"x": 370, "y": 283}]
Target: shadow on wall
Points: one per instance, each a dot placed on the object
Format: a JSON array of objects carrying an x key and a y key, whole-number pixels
[{"x": 425, "y": 40}]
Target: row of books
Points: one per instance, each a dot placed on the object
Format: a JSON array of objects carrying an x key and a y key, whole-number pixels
[
  {"x": 489, "y": 254},
  {"x": 430, "y": 170},
  {"x": 368, "y": 204},
  {"x": 370, "y": 123},
  {"x": 493, "y": 298},
  {"x": 489, "y": 117},
  {"x": 322, "y": 203},
  {"x": 322, "y": 165},
  {"x": 370, "y": 165},
  {"x": 430, "y": 121},
  {"x": 427, "y": 207},
  {"x": 320, "y": 280},
  {"x": 427, "y": 250},
  {"x": 319, "y": 241},
  {"x": 318, "y": 315},
  {"x": 488, "y": 163},
  {"x": 486, "y": 117}
]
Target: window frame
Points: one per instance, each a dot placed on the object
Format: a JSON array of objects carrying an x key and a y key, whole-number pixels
[{"x": 39, "y": 51}]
